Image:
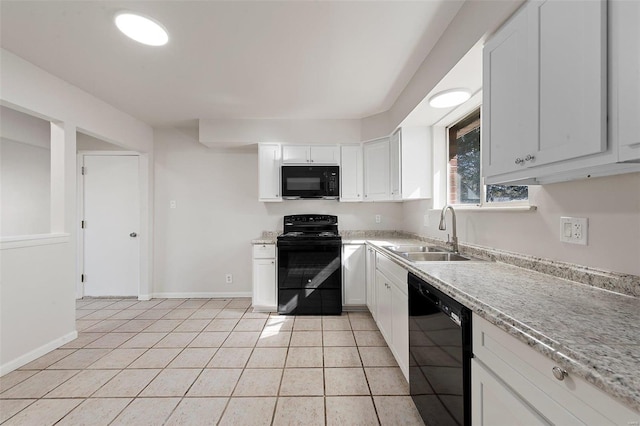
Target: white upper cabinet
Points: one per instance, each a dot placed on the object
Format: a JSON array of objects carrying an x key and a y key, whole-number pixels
[
  {"x": 571, "y": 57},
  {"x": 624, "y": 69},
  {"x": 376, "y": 170},
  {"x": 508, "y": 110},
  {"x": 416, "y": 162},
  {"x": 269, "y": 172},
  {"x": 303, "y": 154},
  {"x": 295, "y": 154},
  {"x": 351, "y": 173},
  {"x": 544, "y": 88},
  {"x": 395, "y": 167}
]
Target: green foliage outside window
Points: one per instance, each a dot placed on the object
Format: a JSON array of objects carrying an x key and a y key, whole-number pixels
[{"x": 464, "y": 162}]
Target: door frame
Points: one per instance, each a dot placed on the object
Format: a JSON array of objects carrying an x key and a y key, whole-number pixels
[{"x": 146, "y": 237}]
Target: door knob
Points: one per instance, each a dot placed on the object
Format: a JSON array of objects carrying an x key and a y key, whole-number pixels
[{"x": 133, "y": 234}]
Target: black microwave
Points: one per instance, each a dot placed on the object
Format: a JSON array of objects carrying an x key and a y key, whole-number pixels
[{"x": 310, "y": 182}]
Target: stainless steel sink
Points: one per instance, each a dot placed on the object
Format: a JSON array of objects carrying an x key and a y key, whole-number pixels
[
  {"x": 416, "y": 249},
  {"x": 433, "y": 257}
]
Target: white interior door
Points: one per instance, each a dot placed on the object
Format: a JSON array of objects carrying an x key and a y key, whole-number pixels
[{"x": 112, "y": 223}]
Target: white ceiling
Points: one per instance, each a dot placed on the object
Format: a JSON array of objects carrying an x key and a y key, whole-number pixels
[
  {"x": 233, "y": 59},
  {"x": 467, "y": 74}
]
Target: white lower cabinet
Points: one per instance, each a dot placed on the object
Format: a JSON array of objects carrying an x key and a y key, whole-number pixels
[
  {"x": 495, "y": 404},
  {"x": 354, "y": 291},
  {"x": 392, "y": 309},
  {"x": 264, "y": 278},
  {"x": 383, "y": 306},
  {"x": 513, "y": 384},
  {"x": 371, "y": 281}
]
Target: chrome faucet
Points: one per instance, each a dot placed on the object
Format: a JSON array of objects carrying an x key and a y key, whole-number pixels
[{"x": 443, "y": 227}]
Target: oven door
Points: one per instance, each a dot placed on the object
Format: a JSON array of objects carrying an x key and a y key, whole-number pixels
[{"x": 310, "y": 278}]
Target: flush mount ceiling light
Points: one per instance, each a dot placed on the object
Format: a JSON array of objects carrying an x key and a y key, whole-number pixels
[
  {"x": 142, "y": 29},
  {"x": 449, "y": 98}
]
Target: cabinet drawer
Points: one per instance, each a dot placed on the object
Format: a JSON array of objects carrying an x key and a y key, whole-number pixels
[
  {"x": 396, "y": 273},
  {"x": 529, "y": 373},
  {"x": 264, "y": 251}
]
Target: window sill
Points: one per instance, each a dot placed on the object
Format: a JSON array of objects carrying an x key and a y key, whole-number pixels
[
  {"x": 493, "y": 209},
  {"x": 20, "y": 241}
]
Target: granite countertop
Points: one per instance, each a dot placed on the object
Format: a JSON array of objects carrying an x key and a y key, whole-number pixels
[{"x": 591, "y": 332}]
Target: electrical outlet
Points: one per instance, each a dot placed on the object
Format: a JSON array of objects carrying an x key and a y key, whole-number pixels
[
  {"x": 378, "y": 218},
  {"x": 574, "y": 230},
  {"x": 228, "y": 278},
  {"x": 173, "y": 204}
]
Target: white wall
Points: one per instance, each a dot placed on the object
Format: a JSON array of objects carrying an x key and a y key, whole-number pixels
[
  {"x": 218, "y": 214},
  {"x": 474, "y": 21},
  {"x": 37, "y": 296},
  {"x": 25, "y": 180},
  {"x": 25, "y": 174},
  {"x": 89, "y": 143},
  {"x": 612, "y": 205},
  {"x": 218, "y": 133}
]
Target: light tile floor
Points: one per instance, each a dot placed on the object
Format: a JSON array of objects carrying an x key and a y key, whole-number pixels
[{"x": 210, "y": 361}]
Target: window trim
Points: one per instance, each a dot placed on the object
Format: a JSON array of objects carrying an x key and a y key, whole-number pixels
[{"x": 450, "y": 120}]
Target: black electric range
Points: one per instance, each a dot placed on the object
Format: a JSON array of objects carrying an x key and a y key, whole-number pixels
[{"x": 310, "y": 266}]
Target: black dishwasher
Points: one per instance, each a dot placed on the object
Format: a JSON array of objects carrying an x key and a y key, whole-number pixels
[{"x": 439, "y": 355}]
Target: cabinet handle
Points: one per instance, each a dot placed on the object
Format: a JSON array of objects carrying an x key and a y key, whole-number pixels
[
  {"x": 559, "y": 373},
  {"x": 519, "y": 161},
  {"x": 273, "y": 262},
  {"x": 529, "y": 157}
]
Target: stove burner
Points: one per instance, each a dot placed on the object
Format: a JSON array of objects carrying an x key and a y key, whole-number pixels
[
  {"x": 327, "y": 234},
  {"x": 293, "y": 234}
]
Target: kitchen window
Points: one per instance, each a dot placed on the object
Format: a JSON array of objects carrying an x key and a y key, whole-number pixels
[{"x": 465, "y": 183}]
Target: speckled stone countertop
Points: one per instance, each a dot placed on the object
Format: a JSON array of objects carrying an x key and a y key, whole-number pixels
[
  {"x": 591, "y": 332},
  {"x": 588, "y": 330}
]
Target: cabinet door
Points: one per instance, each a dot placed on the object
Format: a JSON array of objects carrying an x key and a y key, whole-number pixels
[
  {"x": 264, "y": 283},
  {"x": 571, "y": 59},
  {"x": 495, "y": 404},
  {"x": 400, "y": 328},
  {"x": 376, "y": 170},
  {"x": 269, "y": 172},
  {"x": 625, "y": 79},
  {"x": 371, "y": 282},
  {"x": 324, "y": 154},
  {"x": 354, "y": 270},
  {"x": 509, "y": 108},
  {"x": 295, "y": 154},
  {"x": 416, "y": 163},
  {"x": 395, "y": 169},
  {"x": 383, "y": 307},
  {"x": 351, "y": 173}
]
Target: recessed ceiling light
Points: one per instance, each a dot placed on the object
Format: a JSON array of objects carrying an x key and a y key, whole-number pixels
[
  {"x": 449, "y": 98},
  {"x": 142, "y": 29}
]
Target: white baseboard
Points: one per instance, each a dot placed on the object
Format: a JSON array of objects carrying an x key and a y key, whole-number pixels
[
  {"x": 37, "y": 353},
  {"x": 203, "y": 295}
]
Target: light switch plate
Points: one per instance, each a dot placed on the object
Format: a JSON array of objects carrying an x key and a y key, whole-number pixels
[{"x": 574, "y": 230}]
